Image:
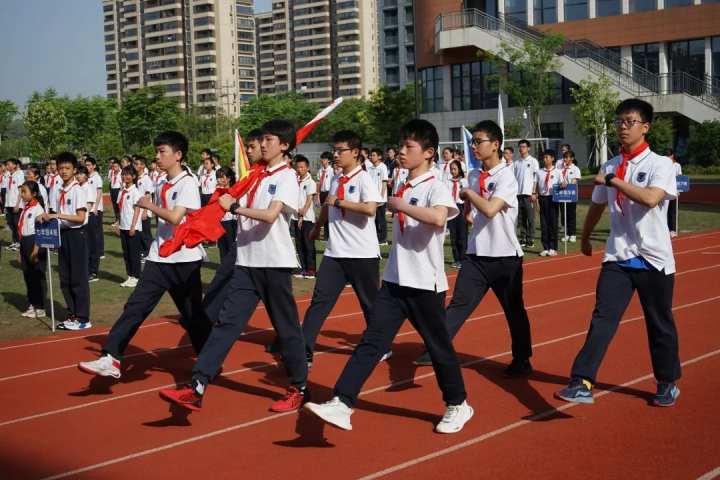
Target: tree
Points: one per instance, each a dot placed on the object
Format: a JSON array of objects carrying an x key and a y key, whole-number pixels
[
  {"x": 389, "y": 110},
  {"x": 353, "y": 114},
  {"x": 524, "y": 73},
  {"x": 145, "y": 113},
  {"x": 513, "y": 128},
  {"x": 290, "y": 106},
  {"x": 8, "y": 110},
  {"x": 704, "y": 144},
  {"x": 661, "y": 134},
  {"x": 594, "y": 112},
  {"x": 46, "y": 124}
]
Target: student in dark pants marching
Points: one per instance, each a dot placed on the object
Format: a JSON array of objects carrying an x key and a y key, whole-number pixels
[
  {"x": 638, "y": 256},
  {"x": 116, "y": 184},
  {"x": 325, "y": 176},
  {"x": 15, "y": 178},
  {"x": 548, "y": 178},
  {"x": 352, "y": 254},
  {"x": 32, "y": 258},
  {"x": 95, "y": 219},
  {"x": 178, "y": 274},
  {"x": 456, "y": 182},
  {"x": 304, "y": 220},
  {"x": 130, "y": 225},
  {"x": 147, "y": 188},
  {"x": 494, "y": 256},
  {"x": 263, "y": 271},
  {"x": 225, "y": 179},
  {"x": 414, "y": 286},
  {"x": 71, "y": 212}
]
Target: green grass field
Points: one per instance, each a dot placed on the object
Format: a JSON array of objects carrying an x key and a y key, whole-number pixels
[{"x": 108, "y": 298}]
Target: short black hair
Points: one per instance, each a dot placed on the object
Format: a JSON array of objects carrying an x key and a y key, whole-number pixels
[
  {"x": 422, "y": 132},
  {"x": 524, "y": 141},
  {"x": 206, "y": 151},
  {"x": 140, "y": 158},
  {"x": 33, "y": 167},
  {"x": 82, "y": 169},
  {"x": 448, "y": 149},
  {"x": 643, "y": 108},
  {"x": 569, "y": 153},
  {"x": 91, "y": 159},
  {"x": 550, "y": 152},
  {"x": 565, "y": 145},
  {"x": 512, "y": 150},
  {"x": 352, "y": 139},
  {"x": 377, "y": 152},
  {"x": 283, "y": 129},
  {"x": 365, "y": 150},
  {"x": 254, "y": 134},
  {"x": 326, "y": 155},
  {"x": 128, "y": 170},
  {"x": 301, "y": 159},
  {"x": 35, "y": 190},
  {"x": 14, "y": 161},
  {"x": 226, "y": 172},
  {"x": 66, "y": 157},
  {"x": 216, "y": 157},
  {"x": 113, "y": 160},
  {"x": 175, "y": 140},
  {"x": 493, "y": 130}
]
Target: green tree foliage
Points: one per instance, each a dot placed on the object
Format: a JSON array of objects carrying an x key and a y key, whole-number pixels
[
  {"x": 143, "y": 114},
  {"x": 389, "y": 110},
  {"x": 46, "y": 124},
  {"x": 290, "y": 106},
  {"x": 661, "y": 134},
  {"x": 353, "y": 114},
  {"x": 704, "y": 145},
  {"x": 8, "y": 111},
  {"x": 594, "y": 111}
]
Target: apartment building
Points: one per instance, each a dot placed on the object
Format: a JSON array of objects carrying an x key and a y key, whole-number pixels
[
  {"x": 397, "y": 42},
  {"x": 320, "y": 48},
  {"x": 201, "y": 51}
]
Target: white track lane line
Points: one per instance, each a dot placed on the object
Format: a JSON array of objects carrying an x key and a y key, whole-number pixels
[{"x": 710, "y": 475}]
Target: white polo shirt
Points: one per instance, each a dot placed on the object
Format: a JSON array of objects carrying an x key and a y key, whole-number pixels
[
  {"x": 127, "y": 198},
  {"x": 353, "y": 235},
  {"x": 147, "y": 187},
  {"x": 27, "y": 219},
  {"x": 455, "y": 186},
  {"x": 71, "y": 199},
  {"x": 379, "y": 175},
  {"x": 53, "y": 183},
  {"x": 546, "y": 180},
  {"x": 525, "y": 172},
  {"x": 678, "y": 168},
  {"x": 569, "y": 173},
  {"x": 443, "y": 169},
  {"x": 97, "y": 183},
  {"x": 496, "y": 237},
  {"x": 12, "y": 194},
  {"x": 638, "y": 230},
  {"x": 208, "y": 182},
  {"x": 4, "y": 179},
  {"x": 417, "y": 256},
  {"x": 115, "y": 179},
  {"x": 325, "y": 179},
  {"x": 306, "y": 188},
  {"x": 268, "y": 245},
  {"x": 399, "y": 176},
  {"x": 184, "y": 192}
]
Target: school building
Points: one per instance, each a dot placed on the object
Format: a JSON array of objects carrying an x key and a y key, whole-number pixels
[{"x": 665, "y": 51}]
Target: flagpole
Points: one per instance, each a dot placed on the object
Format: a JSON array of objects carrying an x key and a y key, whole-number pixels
[{"x": 237, "y": 156}]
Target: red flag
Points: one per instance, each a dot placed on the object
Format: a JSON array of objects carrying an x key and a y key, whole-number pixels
[{"x": 305, "y": 131}]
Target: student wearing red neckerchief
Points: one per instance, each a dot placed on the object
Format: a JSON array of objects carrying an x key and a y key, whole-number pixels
[
  {"x": 129, "y": 225},
  {"x": 635, "y": 186},
  {"x": 414, "y": 286},
  {"x": 325, "y": 175},
  {"x": 569, "y": 175},
  {"x": 116, "y": 184},
  {"x": 303, "y": 221},
  {"x": 456, "y": 183},
  {"x": 32, "y": 259},
  {"x": 548, "y": 178}
]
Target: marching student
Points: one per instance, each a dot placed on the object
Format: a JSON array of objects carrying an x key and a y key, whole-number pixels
[
  {"x": 177, "y": 274},
  {"x": 16, "y": 177},
  {"x": 414, "y": 286},
  {"x": 352, "y": 253},
  {"x": 325, "y": 175},
  {"x": 494, "y": 257},
  {"x": 147, "y": 188},
  {"x": 225, "y": 178},
  {"x": 303, "y": 220},
  {"x": 458, "y": 225},
  {"x": 32, "y": 259},
  {"x": 570, "y": 174},
  {"x": 95, "y": 236},
  {"x": 115, "y": 181},
  {"x": 672, "y": 205},
  {"x": 208, "y": 181},
  {"x": 635, "y": 186},
  {"x": 547, "y": 179},
  {"x": 71, "y": 212},
  {"x": 263, "y": 271},
  {"x": 526, "y": 168},
  {"x": 32, "y": 173},
  {"x": 379, "y": 173},
  {"x": 129, "y": 225}
]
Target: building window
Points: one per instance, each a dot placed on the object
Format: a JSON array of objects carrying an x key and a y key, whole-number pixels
[
  {"x": 470, "y": 89},
  {"x": 642, "y": 5},
  {"x": 487, "y": 6},
  {"x": 677, "y": 3},
  {"x": 516, "y": 10},
  {"x": 686, "y": 56},
  {"x": 432, "y": 89},
  {"x": 553, "y": 130},
  {"x": 392, "y": 76},
  {"x": 715, "y": 51},
  {"x": 647, "y": 57},
  {"x": 608, "y": 8},
  {"x": 455, "y": 134},
  {"x": 576, "y": 10},
  {"x": 391, "y": 56},
  {"x": 545, "y": 12}
]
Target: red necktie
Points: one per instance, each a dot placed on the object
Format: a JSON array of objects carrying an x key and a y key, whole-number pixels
[
  {"x": 32, "y": 203},
  {"x": 62, "y": 196},
  {"x": 481, "y": 183},
  {"x": 565, "y": 174},
  {"x": 322, "y": 178},
  {"x": 547, "y": 178},
  {"x": 264, "y": 173},
  {"x": 622, "y": 170},
  {"x": 122, "y": 198},
  {"x": 340, "y": 193},
  {"x": 52, "y": 181},
  {"x": 163, "y": 192},
  {"x": 455, "y": 190},
  {"x": 206, "y": 179},
  {"x": 399, "y": 194}
]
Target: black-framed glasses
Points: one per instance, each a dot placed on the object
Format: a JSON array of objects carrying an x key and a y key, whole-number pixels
[
  {"x": 628, "y": 123},
  {"x": 479, "y": 141},
  {"x": 338, "y": 151}
]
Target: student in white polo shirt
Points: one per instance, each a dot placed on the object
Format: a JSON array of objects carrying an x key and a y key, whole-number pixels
[
  {"x": 399, "y": 176},
  {"x": 130, "y": 225},
  {"x": 263, "y": 271},
  {"x": 548, "y": 178},
  {"x": 352, "y": 254},
  {"x": 16, "y": 177},
  {"x": 32, "y": 258},
  {"x": 115, "y": 181},
  {"x": 208, "y": 181},
  {"x": 526, "y": 168},
  {"x": 569, "y": 175},
  {"x": 71, "y": 211},
  {"x": 147, "y": 188},
  {"x": 494, "y": 257},
  {"x": 52, "y": 182},
  {"x": 3, "y": 186},
  {"x": 32, "y": 174},
  {"x": 379, "y": 173},
  {"x": 96, "y": 237},
  {"x": 414, "y": 286},
  {"x": 303, "y": 220},
  {"x": 443, "y": 166},
  {"x": 177, "y": 274},
  {"x": 458, "y": 225},
  {"x": 325, "y": 175},
  {"x": 636, "y": 186}
]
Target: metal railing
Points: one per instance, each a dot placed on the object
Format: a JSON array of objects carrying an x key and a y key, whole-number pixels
[{"x": 622, "y": 73}]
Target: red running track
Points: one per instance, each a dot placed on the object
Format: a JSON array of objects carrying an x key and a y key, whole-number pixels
[{"x": 60, "y": 423}]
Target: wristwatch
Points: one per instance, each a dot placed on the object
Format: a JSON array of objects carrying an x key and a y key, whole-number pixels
[
  {"x": 336, "y": 203},
  {"x": 608, "y": 179},
  {"x": 233, "y": 207}
]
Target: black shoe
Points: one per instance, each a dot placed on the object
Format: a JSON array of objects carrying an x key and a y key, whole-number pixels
[{"x": 518, "y": 368}]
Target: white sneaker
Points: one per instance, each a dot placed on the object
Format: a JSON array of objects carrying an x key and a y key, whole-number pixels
[
  {"x": 455, "y": 418},
  {"x": 125, "y": 283},
  {"x": 544, "y": 253},
  {"x": 573, "y": 239},
  {"x": 39, "y": 313},
  {"x": 565, "y": 239},
  {"x": 386, "y": 355},
  {"x": 74, "y": 325},
  {"x": 334, "y": 412},
  {"x": 131, "y": 282},
  {"x": 673, "y": 234},
  {"x": 30, "y": 312},
  {"x": 105, "y": 366},
  {"x": 552, "y": 253}
]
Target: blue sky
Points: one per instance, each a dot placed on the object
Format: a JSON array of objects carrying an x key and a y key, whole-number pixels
[{"x": 54, "y": 43}]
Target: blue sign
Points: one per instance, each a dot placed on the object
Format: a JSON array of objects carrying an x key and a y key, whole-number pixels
[
  {"x": 683, "y": 183},
  {"x": 47, "y": 235},
  {"x": 567, "y": 194}
]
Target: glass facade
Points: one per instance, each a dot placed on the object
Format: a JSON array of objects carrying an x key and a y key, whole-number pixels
[
  {"x": 432, "y": 89},
  {"x": 642, "y": 5},
  {"x": 576, "y": 10},
  {"x": 545, "y": 11},
  {"x": 471, "y": 88},
  {"x": 516, "y": 10},
  {"x": 647, "y": 56},
  {"x": 608, "y": 8}
]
